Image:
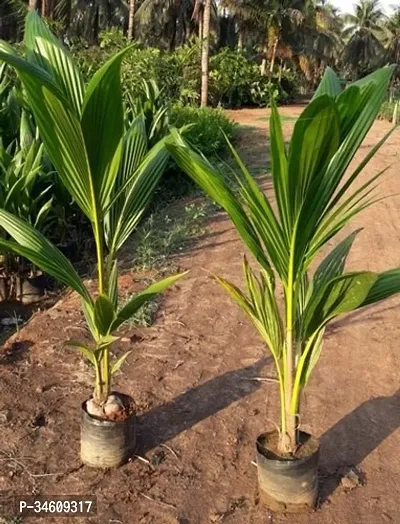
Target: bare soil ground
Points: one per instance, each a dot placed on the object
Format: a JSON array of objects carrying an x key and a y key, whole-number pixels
[{"x": 192, "y": 375}]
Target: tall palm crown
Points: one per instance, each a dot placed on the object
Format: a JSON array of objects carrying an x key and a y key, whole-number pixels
[
  {"x": 328, "y": 26},
  {"x": 317, "y": 41},
  {"x": 364, "y": 30},
  {"x": 392, "y": 37}
]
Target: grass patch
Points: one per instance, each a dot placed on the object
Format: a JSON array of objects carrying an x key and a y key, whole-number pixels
[
  {"x": 168, "y": 232},
  {"x": 284, "y": 118},
  {"x": 165, "y": 233}
]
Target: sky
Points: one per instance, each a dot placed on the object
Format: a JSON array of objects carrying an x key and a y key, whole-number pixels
[{"x": 346, "y": 6}]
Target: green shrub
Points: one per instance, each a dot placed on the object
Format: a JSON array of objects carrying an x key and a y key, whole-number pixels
[
  {"x": 205, "y": 131},
  {"x": 208, "y": 127},
  {"x": 387, "y": 111},
  {"x": 235, "y": 80}
]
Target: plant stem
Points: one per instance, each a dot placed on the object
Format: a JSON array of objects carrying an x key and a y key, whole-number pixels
[
  {"x": 105, "y": 362},
  {"x": 297, "y": 382},
  {"x": 98, "y": 390},
  {"x": 288, "y": 441},
  {"x": 103, "y": 385},
  {"x": 102, "y": 388},
  {"x": 100, "y": 255},
  {"x": 281, "y": 396}
]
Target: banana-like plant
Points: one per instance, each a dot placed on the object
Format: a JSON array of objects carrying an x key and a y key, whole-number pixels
[
  {"x": 314, "y": 201},
  {"x": 110, "y": 173}
]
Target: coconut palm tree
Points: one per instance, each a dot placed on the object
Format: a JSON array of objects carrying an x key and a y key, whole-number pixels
[
  {"x": 246, "y": 14},
  {"x": 205, "y": 52},
  {"x": 392, "y": 37},
  {"x": 365, "y": 31},
  {"x": 320, "y": 39},
  {"x": 131, "y": 23},
  {"x": 166, "y": 20}
]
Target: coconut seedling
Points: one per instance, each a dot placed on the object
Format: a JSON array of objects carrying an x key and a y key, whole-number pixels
[
  {"x": 313, "y": 200},
  {"x": 111, "y": 173}
]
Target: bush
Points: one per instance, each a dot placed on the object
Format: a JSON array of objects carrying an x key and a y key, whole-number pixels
[
  {"x": 208, "y": 127},
  {"x": 235, "y": 79},
  {"x": 206, "y": 133},
  {"x": 387, "y": 111}
]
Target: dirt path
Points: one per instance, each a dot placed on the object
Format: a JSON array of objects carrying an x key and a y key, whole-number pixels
[{"x": 200, "y": 409}]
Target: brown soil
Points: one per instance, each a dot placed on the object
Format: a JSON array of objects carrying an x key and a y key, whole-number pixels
[{"x": 200, "y": 408}]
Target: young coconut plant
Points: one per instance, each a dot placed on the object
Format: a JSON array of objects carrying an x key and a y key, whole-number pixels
[
  {"x": 111, "y": 174},
  {"x": 314, "y": 202}
]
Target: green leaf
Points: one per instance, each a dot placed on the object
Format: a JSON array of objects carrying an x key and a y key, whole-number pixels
[
  {"x": 117, "y": 365},
  {"x": 137, "y": 301},
  {"x": 386, "y": 285},
  {"x": 43, "y": 213},
  {"x": 113, "y": 284},
  {"x": 104, "y": 314},
  {"x": 203, "y": 174},
  {"x": 314, "y": 142},
  {"x": 279, "y": 169},
  {"x": 263, "y": 220},
  {"x": 61, "y": 67},
  {"x": 137, "y": 197},
  {"x": 106, "y": 341},
  {"x": 86, "y": 351},
  {"x": 341, "y": 295},
  {"x": 349, "y": 108},
  {"x": 36, "y": 27},
  {"x": 372, "y": 96},
  {"x": 31, "y": 74},
  {"x": 88, "y": 311},
  {"x": 35, "y": 247},
  {"x": 333, "y": 265},
  {"x": 134, "y": 149},
  {"x": 329, "y": 85},
  {"x": 62, "y": 136},
  {"x": 103, "y": 125},
  {"x": 262, "y": 311}
]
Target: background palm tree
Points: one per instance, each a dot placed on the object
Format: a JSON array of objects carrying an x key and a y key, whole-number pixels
[
  {"x": 319, "y": 39},
  {"x": 205, "y": 50},
  {"x": 282, "y": 18},
  {"x": 168, "y": 21},
  {"x": 246, "y": 16},
  {"x": 392, "y": 37},
  {"x": 131, "y": 23},
  {"x": 365, "y": 31},
  {"x": 301, "y": 36}
]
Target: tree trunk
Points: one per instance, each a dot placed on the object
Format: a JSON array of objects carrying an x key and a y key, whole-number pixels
[
  {"x": 263, "y": 67},
  {"x": 33, "y": 4},
  {"x": 273, "y": 57},
  {"x": 280, "y": 72},
  {"x": 131, "y": 25},
  {"x": 205, "y": 53},
  {"x": 172, "y": 40},
  {"x": 48, "y": 8},
  {"x": 109, "y": 13},
  {"x": 240, "y": 40},
  {"x": 96, "y": 25},
  {"x": 201, "y": 19},
  {"x": 67, "y": 15}
]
